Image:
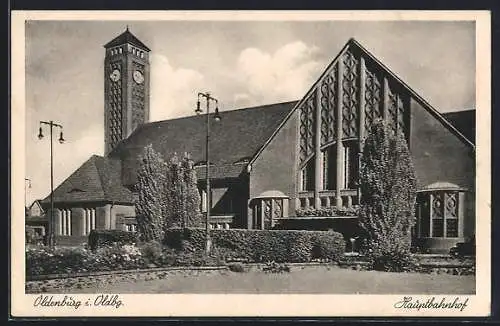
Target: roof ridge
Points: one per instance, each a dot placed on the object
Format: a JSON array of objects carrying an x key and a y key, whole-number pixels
[
  {"x": 227, "y": 111},
  {"x": 94, "y": 160}
]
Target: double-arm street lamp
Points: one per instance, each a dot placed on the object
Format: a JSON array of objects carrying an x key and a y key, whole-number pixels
[
  {"x": 51, "y": 124},
  {"x": 207, "y": 161}
]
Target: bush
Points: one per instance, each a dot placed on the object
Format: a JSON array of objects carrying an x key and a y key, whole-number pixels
[
  {"x": 197, "y": 258},
  {"x": 261, "y": 245},
  {"x": 396, "y": 261},
  {"x": 328, "y": 245},
  {"x": 32, "y": 237},
  {"x": 273, "y": 267},
  {"x": 152, "y": 252},
  {"x": 70, "y": 260},
  {"x": 237, "y": 267},
  {"x": 103, "y": 238}
]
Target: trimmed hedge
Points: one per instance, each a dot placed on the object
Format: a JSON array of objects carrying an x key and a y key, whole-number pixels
[
  {"x": 261, "y": 245},
  {"x": 104, "y": 238}
]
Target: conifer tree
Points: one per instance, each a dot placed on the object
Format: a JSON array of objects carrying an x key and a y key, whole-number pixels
[
  {"x": 150, "y": 202},
  {"x": 192, "y": 198},
  {"x": 174, "y": 193},
  {"x": 388, "y": 193}
]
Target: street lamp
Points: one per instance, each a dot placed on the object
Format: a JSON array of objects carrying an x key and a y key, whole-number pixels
[
  {"x": 216, "y": 118},
  {"x": 51, "y": 124},
  {"x": 25, "y": 195}
]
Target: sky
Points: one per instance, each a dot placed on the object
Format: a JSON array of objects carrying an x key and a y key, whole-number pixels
[{"x": 241, "y": 63}]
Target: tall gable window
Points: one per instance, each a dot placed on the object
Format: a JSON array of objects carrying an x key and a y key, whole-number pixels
[
  {"x": 307, "y": 176},
  {"x": 350, "y": 164}
]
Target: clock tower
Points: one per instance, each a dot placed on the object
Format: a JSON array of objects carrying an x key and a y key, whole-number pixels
[{"x": 126, "y": 88}]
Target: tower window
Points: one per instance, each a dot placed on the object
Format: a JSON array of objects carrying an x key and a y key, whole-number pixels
[{"x": 119, "y": 50}]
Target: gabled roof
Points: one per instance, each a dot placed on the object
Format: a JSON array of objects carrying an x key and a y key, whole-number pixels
[
  {"x": 238, "y": 136},
  {"x": 98, "y": 179},
  {"x": 126, "y": 37},
  {"x": 38, "y": 203},
  {"x": 465, "y": 122},
  {"x": 352, "y": 43}
]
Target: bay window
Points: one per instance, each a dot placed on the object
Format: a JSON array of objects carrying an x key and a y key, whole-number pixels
[{"x": 439, "y": 213}]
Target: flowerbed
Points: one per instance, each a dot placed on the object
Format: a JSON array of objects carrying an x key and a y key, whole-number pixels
[{"x": 44, "y": 261}]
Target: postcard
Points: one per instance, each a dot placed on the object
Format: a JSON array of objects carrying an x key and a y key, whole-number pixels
[{"x": 250, "y": 163}]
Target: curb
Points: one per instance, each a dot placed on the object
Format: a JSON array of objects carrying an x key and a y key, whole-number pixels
[{"x": 124, "y": 271}]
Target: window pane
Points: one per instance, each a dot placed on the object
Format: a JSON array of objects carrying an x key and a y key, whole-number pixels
[
  {"x": 425, "y": 222},
  {"x": 308, "y": 176},
  {"x": 437, "y": 228},
  {"x": 331, "y": 173},
  {"x": 353, "y": 166},
  {"x": 452, "y": 228}
]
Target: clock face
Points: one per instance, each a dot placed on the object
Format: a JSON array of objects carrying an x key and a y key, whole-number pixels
[
  {"x": 115, "y": 75},
  {"x": 138, "y": 77}
]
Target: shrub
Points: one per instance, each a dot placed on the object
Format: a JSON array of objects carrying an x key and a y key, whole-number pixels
[
  {"x": 197, "y": 258},
  {"x": 300, "y": 247},
  {"x": 237, "y": 267},
  {"x": 328, "y": 245},
  {"x": 152, "y": 252},
  {"x": 32, "y": 237},
  {"x": 273, "y": 267},
  {"x": 70, "y": 260},
  {"x": 102, "y": 238},
  {"x": 397, "y": 261},
  {"x": 261, "y": 245}
]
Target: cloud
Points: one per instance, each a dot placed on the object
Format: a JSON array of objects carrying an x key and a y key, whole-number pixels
[
  {"x": 173, "y": 90},
  {"x": 67, "y": 158},
  {"x": 283, "y": 75}
]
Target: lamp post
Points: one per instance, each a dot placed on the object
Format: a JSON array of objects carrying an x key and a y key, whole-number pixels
[
  {"x": 51, "y": 124},
  {"x": 25, "y": 195},
  {"x": 217, "y": 117}
]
